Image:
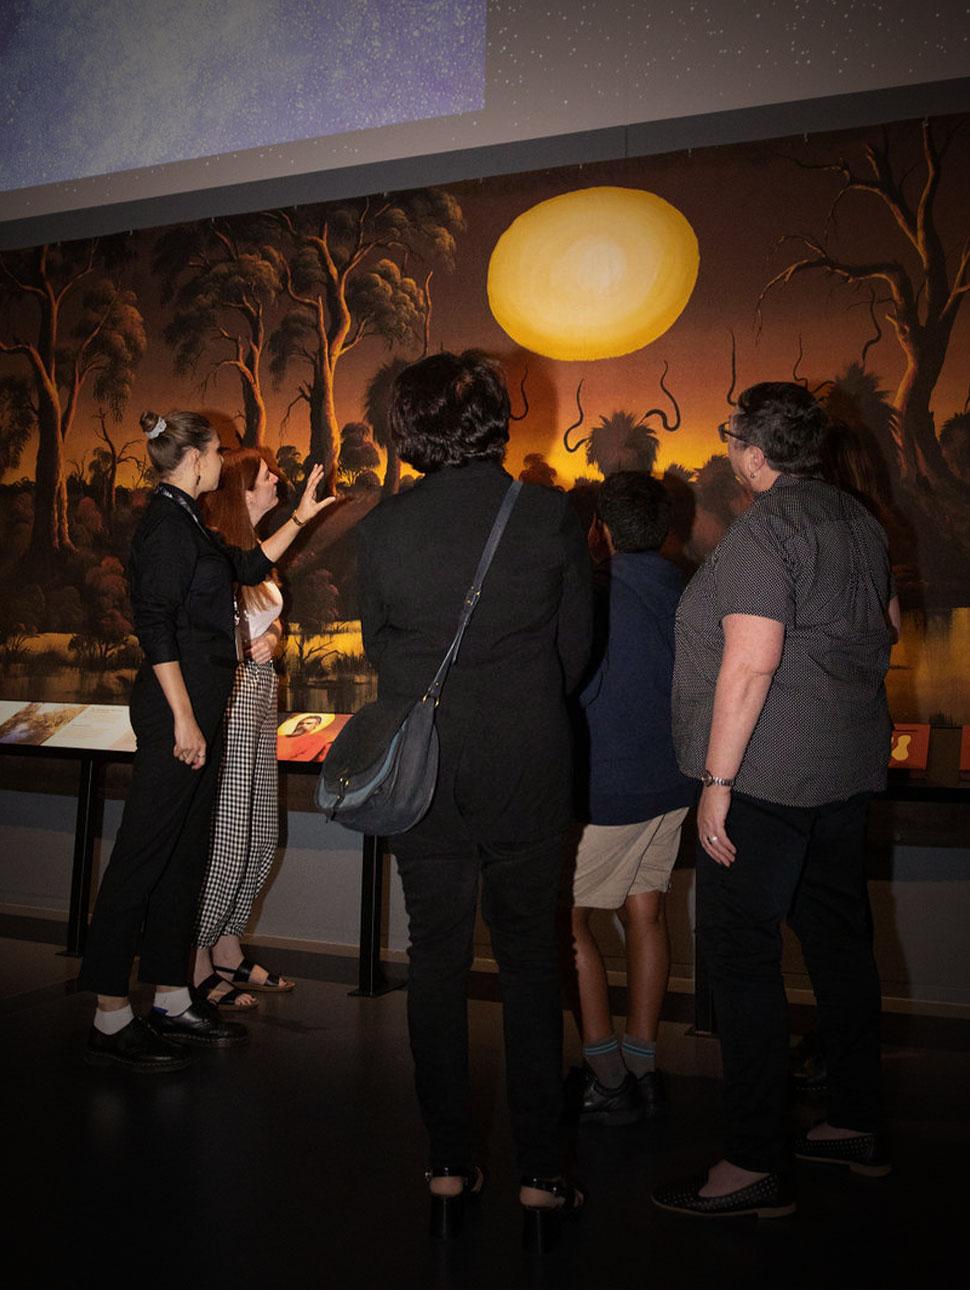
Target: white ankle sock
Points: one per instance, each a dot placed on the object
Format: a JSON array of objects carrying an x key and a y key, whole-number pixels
[
  {"x": 172, "y": 1002},
  {"x": 110, "y": 1022}
]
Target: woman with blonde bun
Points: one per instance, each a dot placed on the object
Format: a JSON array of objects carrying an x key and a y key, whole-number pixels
[{"x": 181, "y": 581}]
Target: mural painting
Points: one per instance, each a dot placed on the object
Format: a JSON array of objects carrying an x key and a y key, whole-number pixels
[{"x": 629, "y": 302}]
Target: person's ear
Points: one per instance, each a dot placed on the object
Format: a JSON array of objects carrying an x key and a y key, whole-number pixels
[{"x": 755, "y": 460}]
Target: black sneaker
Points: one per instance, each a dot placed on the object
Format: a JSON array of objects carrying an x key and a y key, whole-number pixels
[
  {"x": 611, "y": 1106},
  {"x": 138, "y": 1048},
  {"x": 653, "y": 1094}
]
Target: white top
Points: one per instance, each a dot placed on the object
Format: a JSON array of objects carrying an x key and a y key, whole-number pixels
[{"x": 254, "y": 622}]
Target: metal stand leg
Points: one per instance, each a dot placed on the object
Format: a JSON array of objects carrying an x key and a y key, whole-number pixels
[
  {"x": 83, "y": 864},
  {"x": 371, "y": 982}
]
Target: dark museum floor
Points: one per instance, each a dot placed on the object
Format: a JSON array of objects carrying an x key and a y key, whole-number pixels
[{"x": 297, "y": 1162}]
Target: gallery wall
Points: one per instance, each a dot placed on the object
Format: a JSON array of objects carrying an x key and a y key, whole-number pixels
[{"x": 834, "y": 259}]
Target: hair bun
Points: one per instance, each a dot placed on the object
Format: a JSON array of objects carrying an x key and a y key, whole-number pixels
[{"x": 152, "y": 424}]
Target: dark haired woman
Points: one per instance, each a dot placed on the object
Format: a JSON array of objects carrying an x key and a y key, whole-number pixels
[
  {"x": 783, "y": 640},
  {"x": 245, "y": 827},
  {"x": 181, "y": 583},
  {"x": 502, "y": 800}
]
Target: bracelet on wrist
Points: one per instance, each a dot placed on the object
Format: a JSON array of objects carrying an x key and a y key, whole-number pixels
[
  {"x": 297, "y": 521},
  {"x": 720, "y": 781}
]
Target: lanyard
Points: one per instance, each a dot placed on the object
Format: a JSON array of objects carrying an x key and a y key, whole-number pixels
[{"x": 162, "y": 491}]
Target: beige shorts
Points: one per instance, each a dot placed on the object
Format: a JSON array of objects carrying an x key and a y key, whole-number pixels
[{"x": 614, "y": 861}]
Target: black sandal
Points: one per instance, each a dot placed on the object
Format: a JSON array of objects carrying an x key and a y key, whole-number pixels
[
  {"x": 542, "y": 1224},
  {"x": 228, "y": 1000},
  {"x": 242, "y": 975},
  {"x": 448, "y": 1212}
]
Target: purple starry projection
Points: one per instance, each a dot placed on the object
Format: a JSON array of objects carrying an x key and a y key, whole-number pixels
[{"x": 92, "y": 87}]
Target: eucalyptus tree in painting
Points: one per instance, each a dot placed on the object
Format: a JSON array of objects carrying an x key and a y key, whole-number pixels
[
  {"x": 67, "y": 324},
  {"x": 222, "y": 276},
  {"x": 348, "y": 276}
]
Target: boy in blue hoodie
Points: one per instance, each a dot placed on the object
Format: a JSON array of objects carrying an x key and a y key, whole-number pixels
[{"x": 633, "y": 798}]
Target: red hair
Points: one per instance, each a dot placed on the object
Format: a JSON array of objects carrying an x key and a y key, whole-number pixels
[{"x": 226, "y": 511}]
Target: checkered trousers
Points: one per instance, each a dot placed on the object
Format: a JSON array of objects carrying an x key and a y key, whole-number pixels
[{"x": 245, "y": 826}]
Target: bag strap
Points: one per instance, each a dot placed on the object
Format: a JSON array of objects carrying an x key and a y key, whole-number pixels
[{"x": 474, "y": 592}]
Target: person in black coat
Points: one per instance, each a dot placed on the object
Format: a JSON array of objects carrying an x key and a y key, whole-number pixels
[
  {"x": 503, "y": 795},
  {"x": 181, "y": 582}
]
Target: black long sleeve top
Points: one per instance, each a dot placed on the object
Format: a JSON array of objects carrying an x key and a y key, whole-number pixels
[
  {"x": 181, "y": 578},
  {"x": 502, "y": 721}
]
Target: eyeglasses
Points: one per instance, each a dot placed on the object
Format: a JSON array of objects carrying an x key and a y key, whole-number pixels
[{"x": 724, "y": 434}]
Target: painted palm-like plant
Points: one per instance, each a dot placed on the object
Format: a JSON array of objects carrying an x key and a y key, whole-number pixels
[{"x": 618, "y": 442}]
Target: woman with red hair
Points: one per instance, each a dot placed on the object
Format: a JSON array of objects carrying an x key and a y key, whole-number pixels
[{"x": 245, "y": 827}]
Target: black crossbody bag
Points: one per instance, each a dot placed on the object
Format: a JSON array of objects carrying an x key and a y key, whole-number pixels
[{"x": 380, "y": 775}]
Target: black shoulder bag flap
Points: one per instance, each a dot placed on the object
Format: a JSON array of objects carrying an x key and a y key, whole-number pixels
[{"x": 380, "y": 775}]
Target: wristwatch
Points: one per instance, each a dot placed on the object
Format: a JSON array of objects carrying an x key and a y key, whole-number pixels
[{"x": 707, "y": 779}]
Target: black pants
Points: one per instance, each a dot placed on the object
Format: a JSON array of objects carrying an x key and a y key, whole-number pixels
[
  {"x": 150, "y": 889},
  {"x": 807, "y": 865},
  {"x": 519, "y": 894}
]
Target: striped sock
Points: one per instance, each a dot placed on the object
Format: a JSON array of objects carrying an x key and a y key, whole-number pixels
[
  {"x": 639, "y": 1055},
  {"x": 605, "y": 1062}
]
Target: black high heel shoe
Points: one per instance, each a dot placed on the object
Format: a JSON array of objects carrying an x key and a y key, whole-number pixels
[
  {"x": 448, "y": 1212},
  {"x": 542, "y": 1224}
]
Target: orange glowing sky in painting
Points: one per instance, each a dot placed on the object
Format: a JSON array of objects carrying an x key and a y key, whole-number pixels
[{"x": 740, "y": 201}]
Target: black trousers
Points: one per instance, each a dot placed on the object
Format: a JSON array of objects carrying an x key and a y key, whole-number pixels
[
  {"x": 520, "y": 886},
  {"x": 806, "y": 865},
  {"x": 150, "y": 890}
]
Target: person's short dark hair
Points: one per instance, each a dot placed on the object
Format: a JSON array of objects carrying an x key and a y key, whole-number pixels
[
  {"x": 449, "y": 409},
  {"x": 786, "y": 422},
  {"x": 636, "y": 509}
]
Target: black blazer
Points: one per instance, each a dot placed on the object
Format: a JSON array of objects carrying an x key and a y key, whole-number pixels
[{"x": 502, "y": 720}]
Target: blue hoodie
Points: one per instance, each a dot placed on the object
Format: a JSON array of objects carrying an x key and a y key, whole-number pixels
[{"x": 624, "y": 739}]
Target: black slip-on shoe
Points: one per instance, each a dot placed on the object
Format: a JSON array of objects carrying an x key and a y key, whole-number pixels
[
  {"x": 611, "y": 1106},
  {"x": 769, "y": 1197},
  {"x": 653, "y": 1094},
  {"x": 138, "y": 1048},
  {"x": 199, "y": 1024},
  {"x": 864, "y": 1153}
]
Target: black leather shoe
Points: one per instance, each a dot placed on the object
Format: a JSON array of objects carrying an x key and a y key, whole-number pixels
[
  {"x": 199, "y": 1024},
  {"x": 864, "y": 1153},
  {"x": 612, "y": 1106},
  {"x": 653, "y": 1094},
  {"x": 770, "y": 1197},
  {"x": 138, "y": 1048}
]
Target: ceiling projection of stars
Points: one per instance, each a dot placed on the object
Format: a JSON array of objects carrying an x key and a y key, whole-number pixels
[{"x": 97, "y": 86}]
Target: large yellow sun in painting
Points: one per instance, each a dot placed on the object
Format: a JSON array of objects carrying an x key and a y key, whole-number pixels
[{"x": 593, "y": 274}]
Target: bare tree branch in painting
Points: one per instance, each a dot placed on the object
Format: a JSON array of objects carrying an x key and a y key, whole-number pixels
[
  {"x": 103, "y": 470},
  {"x": 521, "y": 416},
  {"x": 922, "y": 307},
  {"x": 667, "y": 424},
  {"x": 574, "y": 447},
  {"x": 803, "y": 380},
  {"x": 732, "y": 388}
]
